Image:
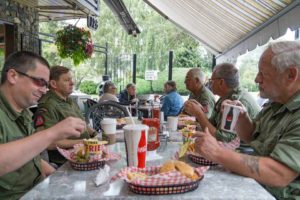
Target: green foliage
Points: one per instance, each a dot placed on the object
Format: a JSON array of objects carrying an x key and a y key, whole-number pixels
[
  {"x": 192, "y": 56},
  {"x": 88, "y": 87},
  {"x": 75, "y": 43}
]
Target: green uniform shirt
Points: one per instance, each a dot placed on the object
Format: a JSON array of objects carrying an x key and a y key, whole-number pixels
[
  {"x": 246, "y": 99},
  {"x": 277, "y": 135},
  {"x": 206, "y": 99},
  {"x": 14, "y": 126},
  {"x": 53, "y": 109}
]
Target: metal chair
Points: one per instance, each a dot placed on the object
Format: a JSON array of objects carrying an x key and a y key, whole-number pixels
[{"x": 106, "y": 109}]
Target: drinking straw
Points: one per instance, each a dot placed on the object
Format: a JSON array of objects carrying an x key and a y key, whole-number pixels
[{"x": 132, "y": 121}]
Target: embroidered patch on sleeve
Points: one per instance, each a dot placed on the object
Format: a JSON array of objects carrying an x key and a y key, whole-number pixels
[{"x": 39, "y": 121}]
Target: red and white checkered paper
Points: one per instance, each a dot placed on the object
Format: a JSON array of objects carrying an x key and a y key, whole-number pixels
[
  {"x": 203, "y": 161},
  {"x": 70, "y": 155},
  {"x": 154, "y": 178}
]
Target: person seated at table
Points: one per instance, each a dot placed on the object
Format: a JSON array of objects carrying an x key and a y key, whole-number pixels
[
  {"x": 128, "y": 95},
  {"x": 110, "y": 92},
  {"x": 55, "y": 106},
  {"x": 24, "y": 79},
  {"x": 172, "y": 101},
  {"x": 194, "y": 82},
  {"x": 225, "y": 83},
  {"x": 274, "y": 133}
]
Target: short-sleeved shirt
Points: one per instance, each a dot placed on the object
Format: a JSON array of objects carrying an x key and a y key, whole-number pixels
[
  {"x": 277, "y": 135},
  {"x": 236, "y": 94},
  {"x": 53, "y": 109},
  {"x": 172, "y": 104},
  {"x": 206, "y": 99},
  {"x": 14, "y": 126}
]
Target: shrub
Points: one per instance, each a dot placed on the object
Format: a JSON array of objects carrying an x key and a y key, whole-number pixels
[{"x": 88, "y": 87}]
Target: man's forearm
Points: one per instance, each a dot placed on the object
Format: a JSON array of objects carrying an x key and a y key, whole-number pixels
[
  {"x": 263, "y": 169},
  {"x": 15, "y": 154},
  {"x": 204, "y": 122}
]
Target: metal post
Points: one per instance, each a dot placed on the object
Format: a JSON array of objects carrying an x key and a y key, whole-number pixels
[
  {"x": 106, "y": 52},
  {"x": 214, "y": 62},
  {"x": 134, "y": 69},
  {"x": 170, "y": 65}
]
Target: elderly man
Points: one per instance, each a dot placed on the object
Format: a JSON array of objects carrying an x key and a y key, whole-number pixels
[
  {"x": 172, "y": 102},
  {"x": 275, "y": 133},
  {"x": 55, "y": 106},
  {"x": 224, "y": 82},
  {"x": 128, "y": 95},
  {"x": 24, "y": 80},
  {"x": 194, "y": 82},
  {"x": 110, "y": 92}
]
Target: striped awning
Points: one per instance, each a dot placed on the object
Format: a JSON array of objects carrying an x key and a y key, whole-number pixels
[{"x": 231, "y": 27}]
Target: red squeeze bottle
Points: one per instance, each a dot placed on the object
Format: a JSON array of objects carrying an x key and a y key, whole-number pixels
[{"x": 142, "y": 150}]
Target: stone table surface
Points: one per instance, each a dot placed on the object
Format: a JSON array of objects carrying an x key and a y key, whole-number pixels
[{"x": 217, "y": 183}]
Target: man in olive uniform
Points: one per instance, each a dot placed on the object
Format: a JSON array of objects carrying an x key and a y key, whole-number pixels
[
  {"x": 55, "y": 106},
  {"x": 275, "y": 133},
  {"x": 24, "y": 79},
  {"x": 224, "y": 82},
  {"x": 194, "y": 82}
]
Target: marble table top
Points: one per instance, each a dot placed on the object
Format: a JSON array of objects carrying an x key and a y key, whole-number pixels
[{"x": 217, "y": 183}]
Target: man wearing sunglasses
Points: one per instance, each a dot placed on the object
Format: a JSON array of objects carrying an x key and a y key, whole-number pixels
[
  {"x": 24, "y": 79},
  {"x": 224, "y": 82},
  {"x": 55, "y": 106}
]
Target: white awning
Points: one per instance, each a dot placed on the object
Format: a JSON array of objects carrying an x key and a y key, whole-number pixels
[{"x": 229, "y": 28}]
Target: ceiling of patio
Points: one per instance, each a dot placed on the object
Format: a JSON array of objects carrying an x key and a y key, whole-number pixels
[
  {"x": 231, "y": 27},
  {"x": 63, "y": 9}
]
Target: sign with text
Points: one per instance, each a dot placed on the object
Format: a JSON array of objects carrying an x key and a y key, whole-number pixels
[
  {"x": 92, "y": 22},
  {"x": 150, "y": 75}
]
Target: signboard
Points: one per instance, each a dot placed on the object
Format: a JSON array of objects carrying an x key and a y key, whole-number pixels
[
  {"x": 92, "y": 22},
  {"x": 150, "y": 75}
]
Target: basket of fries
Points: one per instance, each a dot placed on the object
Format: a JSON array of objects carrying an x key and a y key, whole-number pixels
[
  {"x": 90, "y": 155},
  {"x": 173, "y": 177}
]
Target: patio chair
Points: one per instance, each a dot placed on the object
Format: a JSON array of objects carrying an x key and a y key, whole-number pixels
[{"x": 106, "y": 109}]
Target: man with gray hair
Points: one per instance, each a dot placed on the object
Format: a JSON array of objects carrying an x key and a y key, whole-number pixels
[
  {"x": 224, "y": 82},
  {"x": 194, "y": 82},
  {"x": 275, "y": 133}
]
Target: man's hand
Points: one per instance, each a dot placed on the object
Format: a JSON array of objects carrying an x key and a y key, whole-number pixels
[
  {"x": 244, "y": 126},
  {"x": 68, "y": 127},
  {"x": 207, "y": 145},
  {"x": 192, "y": 107}
]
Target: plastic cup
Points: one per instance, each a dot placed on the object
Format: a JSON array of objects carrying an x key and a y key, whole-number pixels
[
  {"x": 136, "y": 144},
  {"x": 172, "y": 122},
  {"x": 229, "y": 117},
  {"x": 109, "y": 126}
]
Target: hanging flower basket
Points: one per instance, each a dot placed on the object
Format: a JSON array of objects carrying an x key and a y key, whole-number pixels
[{"x": 75, "y": 43}]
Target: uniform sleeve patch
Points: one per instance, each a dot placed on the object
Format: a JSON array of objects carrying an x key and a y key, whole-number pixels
[{"x": 39, "y": 121}]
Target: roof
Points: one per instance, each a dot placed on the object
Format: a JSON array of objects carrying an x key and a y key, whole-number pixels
[
  {"x": 231, "y": 27},
  {"x": 63, "y": 9}
]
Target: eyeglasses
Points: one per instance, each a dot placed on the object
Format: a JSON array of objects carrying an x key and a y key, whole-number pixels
[{"x": 38, "y": 81}]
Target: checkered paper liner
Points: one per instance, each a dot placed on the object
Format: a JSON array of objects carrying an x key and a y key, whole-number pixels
[
  {"x": 198, "y": 159},
  {"x": 95, "y": 163},
  {"x": 157, "y": 179}
]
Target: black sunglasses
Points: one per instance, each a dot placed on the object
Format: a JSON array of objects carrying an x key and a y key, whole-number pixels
[{"x": 38, "y": 81}]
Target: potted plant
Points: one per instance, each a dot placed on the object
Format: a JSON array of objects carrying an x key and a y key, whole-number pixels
[{"x": 75, "y": 43}]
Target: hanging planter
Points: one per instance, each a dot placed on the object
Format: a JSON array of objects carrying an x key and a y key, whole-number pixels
[{"x": 75, "y": 43}]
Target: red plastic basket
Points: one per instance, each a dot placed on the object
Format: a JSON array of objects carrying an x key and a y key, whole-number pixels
[
  {"x": 201, "y": 160},
  {"x": 164, "y": 189},
  {"x": 87, "y": 166}
]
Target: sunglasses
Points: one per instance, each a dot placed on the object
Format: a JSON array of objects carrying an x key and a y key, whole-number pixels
[{"x": 37, "y": 81}]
